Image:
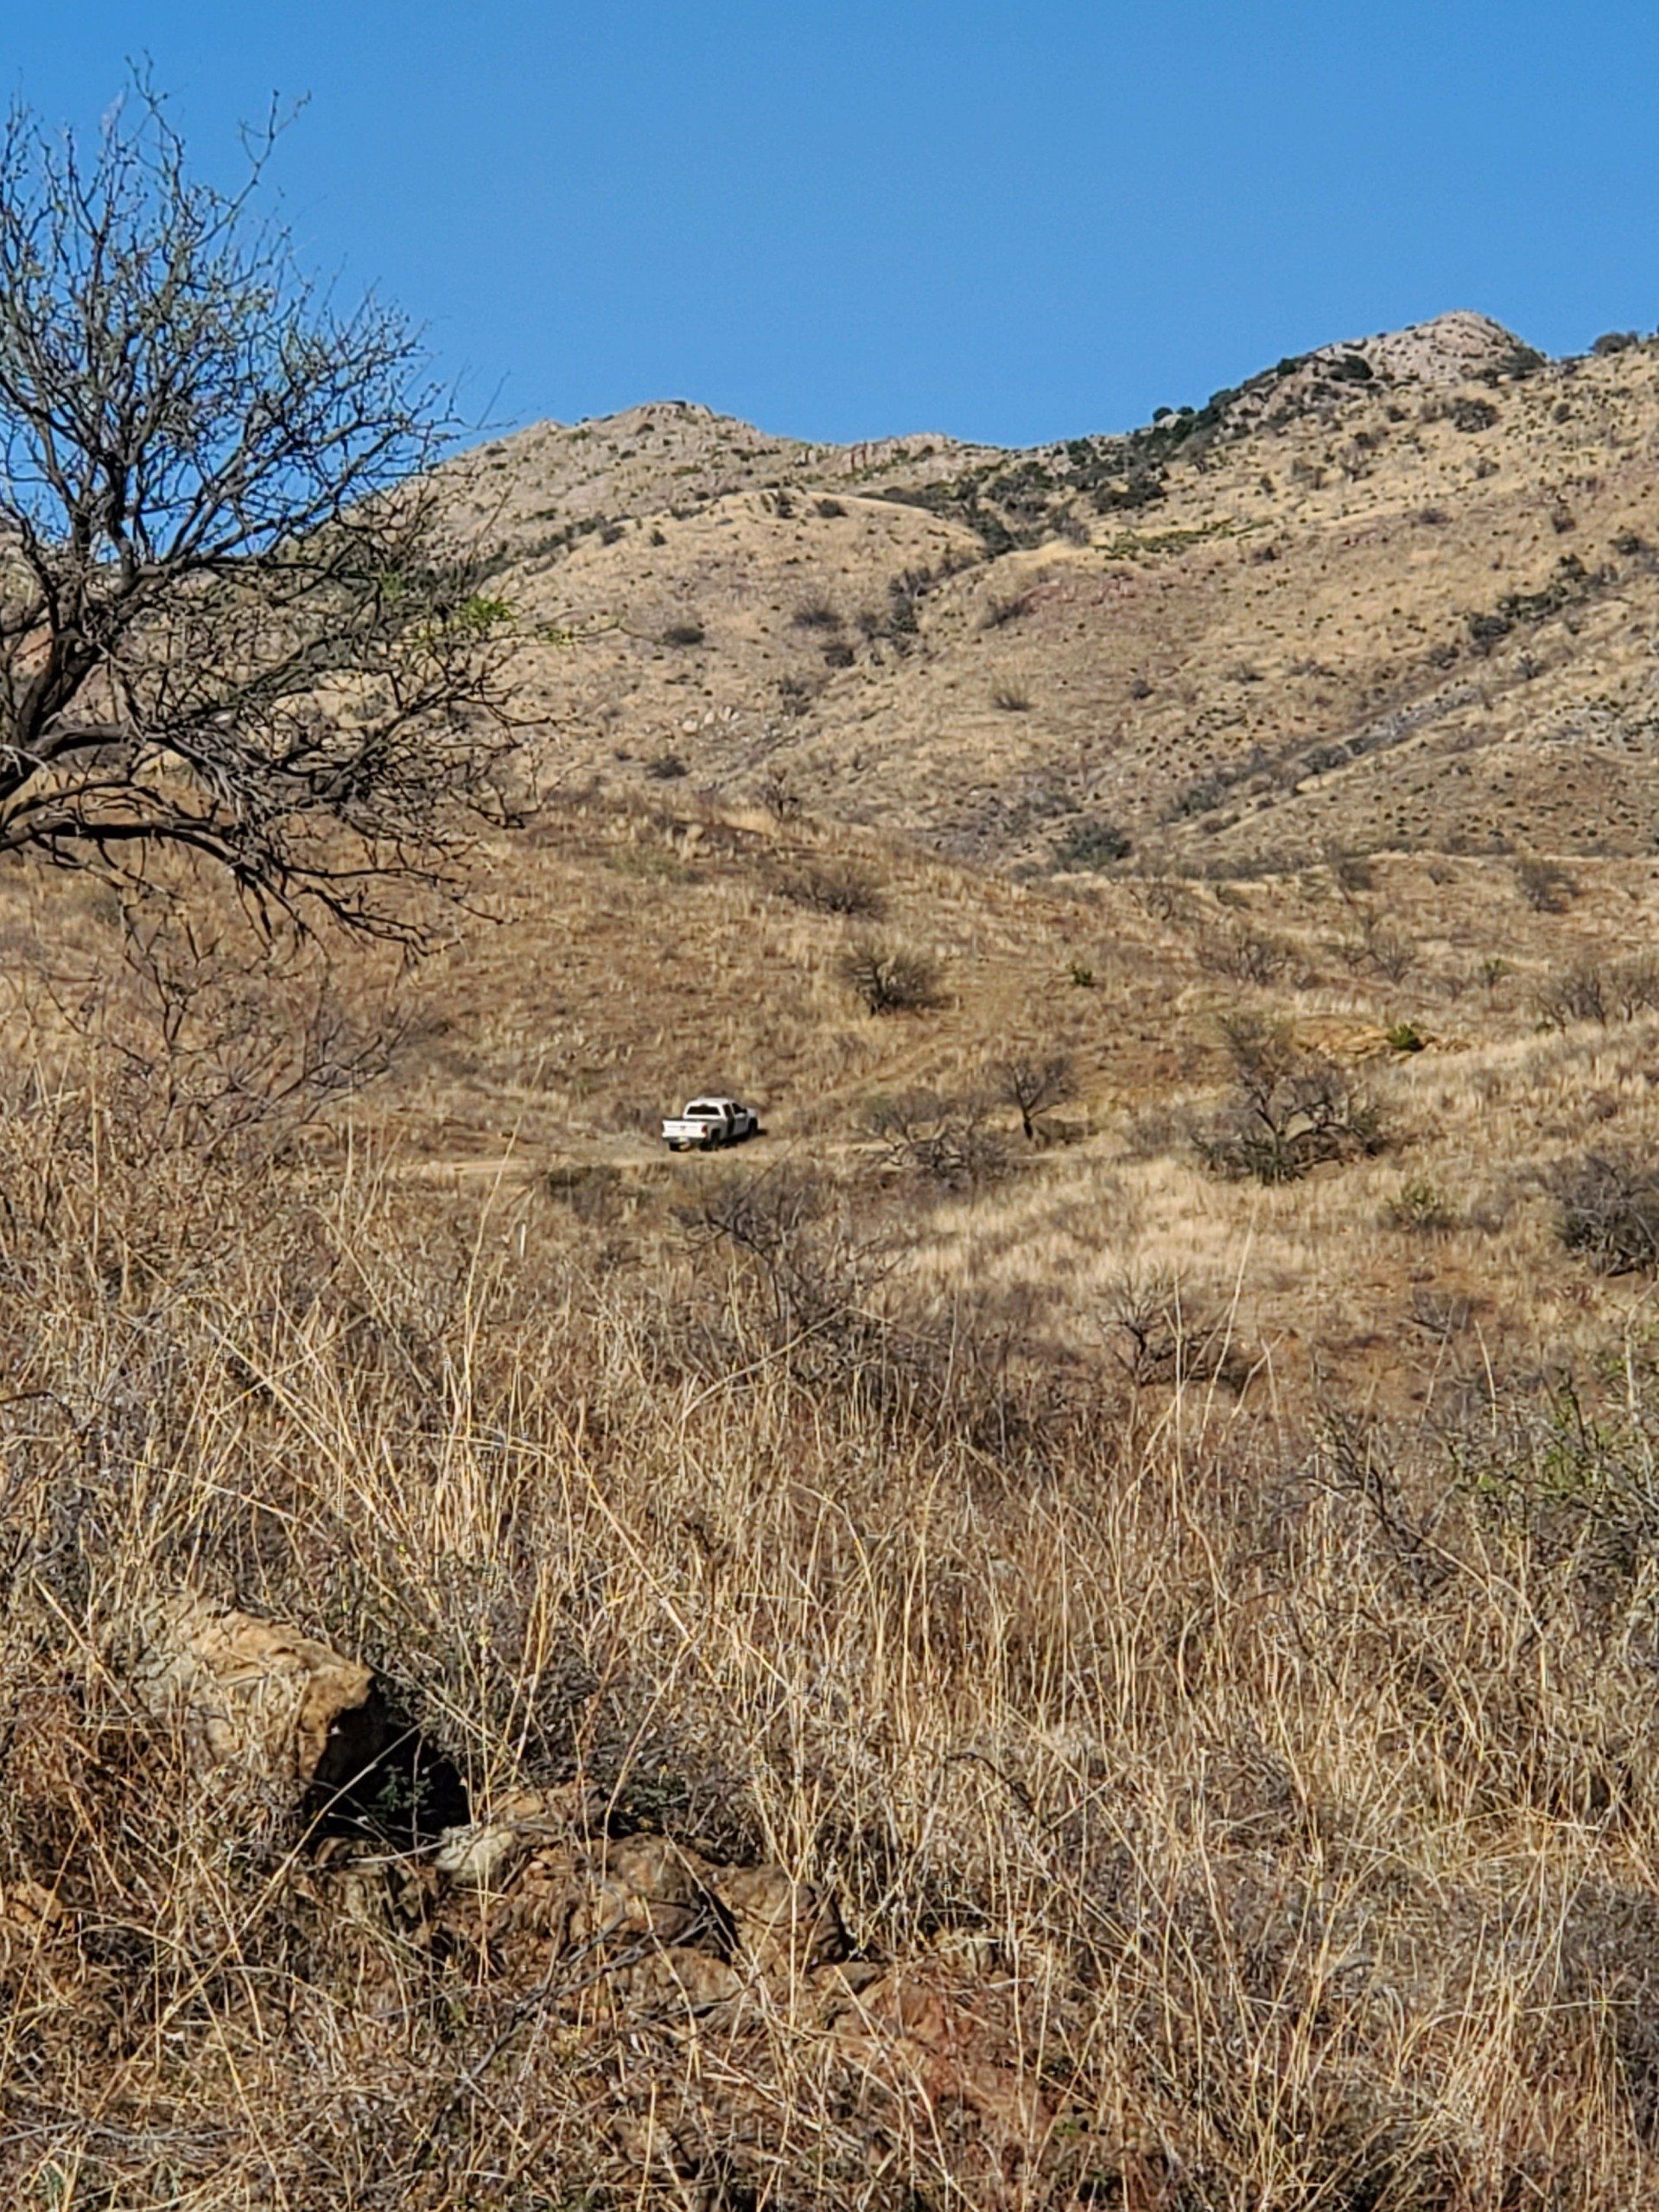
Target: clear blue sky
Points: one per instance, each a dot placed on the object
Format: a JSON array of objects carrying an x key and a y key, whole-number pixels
[{"x": 840, "y": 218}]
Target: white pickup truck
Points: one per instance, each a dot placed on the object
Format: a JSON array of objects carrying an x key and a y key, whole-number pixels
[{"x": 708, "y": 1123}]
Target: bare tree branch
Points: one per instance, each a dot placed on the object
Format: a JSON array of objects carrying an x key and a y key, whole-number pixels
[{"x": 230, "y": 624}]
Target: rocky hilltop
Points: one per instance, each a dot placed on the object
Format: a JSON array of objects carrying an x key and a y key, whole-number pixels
[{"x": 1394, "y": 593}]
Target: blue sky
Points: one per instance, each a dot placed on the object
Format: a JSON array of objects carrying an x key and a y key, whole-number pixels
[{"x": 1010, "y": 221}]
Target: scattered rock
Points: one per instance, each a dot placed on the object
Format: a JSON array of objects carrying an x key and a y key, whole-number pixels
[{"x": 639, "y": 1928}]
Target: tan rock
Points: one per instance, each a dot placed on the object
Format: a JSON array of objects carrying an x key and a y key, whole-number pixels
[
  {"x": 645, "y": 1885},
  {"x": 254, "y": 1693},
  {"x": 943, "y": 2035},
  {"x": 680, "y": 1978},
  {"x": 487, "y": 1854},
  {"x": 784, "y": 1925}
]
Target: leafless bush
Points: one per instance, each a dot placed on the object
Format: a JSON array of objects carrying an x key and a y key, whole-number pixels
[
  {"x": 1376, "y": 949},
  {"x": 1594, "y": 989},
  {"x": 1010, "y": 698},
  {"x": 1290, "y": 1111},
  {"x": 1608, "y": 1211},
  {"x": 1172, "y": 904},
  {"x": 215, "y": 1038},
  {"x": 1243, "y": 955},
  {"x": 888, "y": 977},
  {"x": 1162, "y": 1331},
  {"x": 779, "y": 798},
  {"x": 948, "y": 1141}
]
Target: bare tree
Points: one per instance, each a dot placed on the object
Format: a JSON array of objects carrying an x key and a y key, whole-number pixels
[
  {"x": 1034, "y": 1083},
  {"x": 229, "y": 627},
  {"x": 1290, "y": 1109}
]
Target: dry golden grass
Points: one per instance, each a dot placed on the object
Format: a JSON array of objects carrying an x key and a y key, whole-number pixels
[
  {"x": 1263, "y": 1757},
  {"x": 1199, "y": 1632},
  {"x": 1295, "y": 1791}
]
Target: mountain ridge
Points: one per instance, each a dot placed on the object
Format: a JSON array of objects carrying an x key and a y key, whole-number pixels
[{"x": 1401, "y": 604}]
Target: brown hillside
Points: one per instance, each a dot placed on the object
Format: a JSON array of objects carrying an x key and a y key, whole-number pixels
[{"x": 1395, "y": 594}]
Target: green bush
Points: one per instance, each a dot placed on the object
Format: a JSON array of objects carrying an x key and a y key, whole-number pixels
[{"x": 1421, "y": 1207}]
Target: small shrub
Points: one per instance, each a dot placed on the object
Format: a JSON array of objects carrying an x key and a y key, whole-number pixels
[
  {"x": 1375, "y": 949},
  {"x": 1082, "y": 975},
  {"x": 666, "y": 768},
  {"x": 1000, "y": 612},
  {"x": 1545, "y": 884},
  {"x": 684, "y": 633},
  {"x": 1092, "y": 844},
  {"x": 1405, "y": 1037},
  {"x": 1608, "y": 1211},
  {"x": 889, "y": 978},
  {"x": 779, "y": 798},
  {"x": 816, "y": 614},
  {"x": 1616, "y": 341},
  {"x": 831, "y": 510},
  {"x": 1161, "y": 1332},
  {"x": 1010, "y": 698},
  {"x": 1420, "y": 1207},
  {"x": 946, "y": 1141},
  {"x": 1390, "y": 956},
  {"x": 1597, "y": 990},
  {"x": 838, "y": 654},
  {"x": 834, "y": 887},
  {"x": 1354, "y": 871},
  {"x": 1034, "y": 1083},
  {"x": 1245, "y": 955},
  {"x": 795, "y": 694},
  {"x": 1473, "y": 414}
]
